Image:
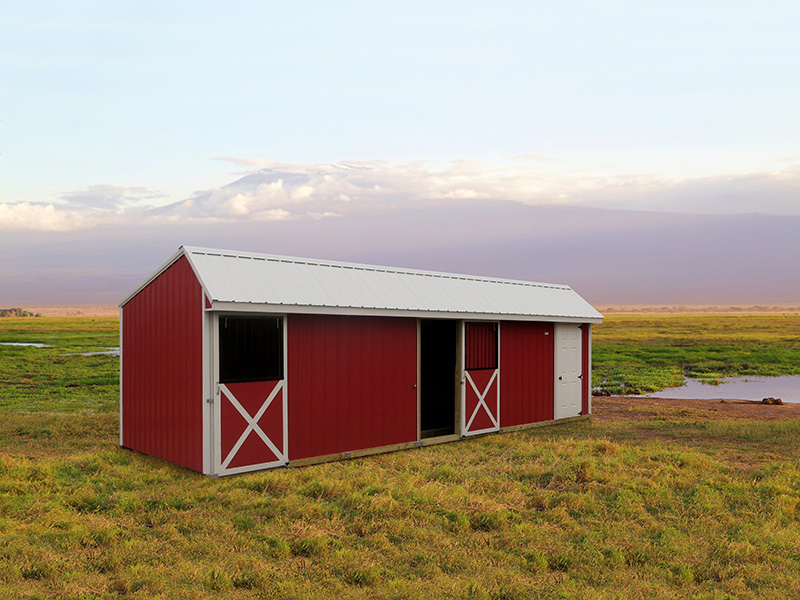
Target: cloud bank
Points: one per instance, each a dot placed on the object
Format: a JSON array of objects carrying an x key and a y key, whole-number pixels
[
  {"x": 272, "y": 191},
  {"x": 81, "y": 209},
  {"x": 609, "y": 256}
]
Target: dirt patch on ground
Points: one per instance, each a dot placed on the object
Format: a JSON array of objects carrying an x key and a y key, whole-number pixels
[{"x": 637, "y": 408}]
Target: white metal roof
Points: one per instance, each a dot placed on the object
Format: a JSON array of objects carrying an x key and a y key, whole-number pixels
[
  {"x": 262, "y": 279},
  {"x": 247, "y": 281}
]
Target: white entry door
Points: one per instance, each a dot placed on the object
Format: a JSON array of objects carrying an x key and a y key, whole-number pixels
[{"x": 568, "y": 371}]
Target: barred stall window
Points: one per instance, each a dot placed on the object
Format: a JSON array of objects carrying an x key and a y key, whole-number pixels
[{"x": 250, "y": 348}]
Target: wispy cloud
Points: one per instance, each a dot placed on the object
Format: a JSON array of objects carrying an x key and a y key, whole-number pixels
[
  {"x": 251, "y": 163},
  {"x": 531, "y": 157},
  {"x": 272, "y": 191},
  {"x": 110, "y": 197}
]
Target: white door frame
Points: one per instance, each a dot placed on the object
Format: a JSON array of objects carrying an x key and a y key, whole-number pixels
[{"x": 216, "y": 459}]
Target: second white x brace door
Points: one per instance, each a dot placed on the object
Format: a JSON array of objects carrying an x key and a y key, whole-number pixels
[{"x": 480, "y": 397}]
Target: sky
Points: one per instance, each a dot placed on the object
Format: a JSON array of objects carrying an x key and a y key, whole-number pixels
[{"x": 159, "y": 122}]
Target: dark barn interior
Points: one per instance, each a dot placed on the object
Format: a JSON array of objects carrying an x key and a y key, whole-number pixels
[{"x": 437, "y": 377}]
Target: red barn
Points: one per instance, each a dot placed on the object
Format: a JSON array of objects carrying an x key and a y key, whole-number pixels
[{"x": 233, "y": 361}]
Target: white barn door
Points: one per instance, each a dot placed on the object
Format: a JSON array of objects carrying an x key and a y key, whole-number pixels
[{"x": 568, "y": 371}]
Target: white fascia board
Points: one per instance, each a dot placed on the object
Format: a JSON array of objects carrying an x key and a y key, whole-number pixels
[
  {"x": 196, "y": 273},
  {"x": 152, "y": 277},
  {"x": 387, "y": 312},
  {"x": 172, "y": 260},
  {"x": 121, "y": 379}
]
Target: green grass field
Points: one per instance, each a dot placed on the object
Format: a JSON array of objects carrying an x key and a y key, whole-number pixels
[
  {"x": 57, "y": 378},
  {"x": 635, "y": 354},
  {"x": 669, "y": 507}
]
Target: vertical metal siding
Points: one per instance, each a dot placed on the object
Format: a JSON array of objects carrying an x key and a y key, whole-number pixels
[
  {"x": 481, "y": 346},
  {"x": 586, "y": 367},
  {"x": 253, "y": 397},
  {"x": 352, "y": 383},
  {"x": 527, "y": 386},
  {"x": 162, "y": 368}
]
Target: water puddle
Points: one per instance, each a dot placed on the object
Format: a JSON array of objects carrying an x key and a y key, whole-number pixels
[
  {"x": 108, "y": 351},
  {"x": 786, "y": 387}
]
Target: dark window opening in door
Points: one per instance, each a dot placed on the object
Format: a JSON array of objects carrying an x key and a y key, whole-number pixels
[
  {"x": 250, "y": 348},
  {"x": 437, "y": 377}
]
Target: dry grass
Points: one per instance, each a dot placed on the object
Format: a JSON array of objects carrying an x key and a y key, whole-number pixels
[
  {"x": 581, "y": 510},
  {"x": 658, "y": 506}
]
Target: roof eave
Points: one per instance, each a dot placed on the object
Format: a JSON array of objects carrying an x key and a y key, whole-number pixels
[{"x": 264, "y": 307}]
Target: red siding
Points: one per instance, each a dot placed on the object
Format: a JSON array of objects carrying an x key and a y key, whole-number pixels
[
  {"x": 251, "y": 396},
  {"x": 480, "y": 417},
  {"x": 162, "y": 368},
  {"x": 587, "y": 374},
  {"x": 351, "y": 383},
  {"x": 481, "y": 346},
  {"x": 526, "y": 372}
]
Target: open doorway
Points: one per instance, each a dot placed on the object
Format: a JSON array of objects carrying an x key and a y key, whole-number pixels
[{"x": 438, "y": 377}]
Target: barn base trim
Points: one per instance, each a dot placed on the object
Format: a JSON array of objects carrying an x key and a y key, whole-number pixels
[
  {"x": 313, "y": 460},
  {"x": 445, "y": 439}
]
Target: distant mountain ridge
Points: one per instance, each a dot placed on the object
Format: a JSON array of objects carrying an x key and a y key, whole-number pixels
[{"x": 611, "y": 257}]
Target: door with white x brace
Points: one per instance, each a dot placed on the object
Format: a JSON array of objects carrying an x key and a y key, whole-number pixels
[
  {"x": 480, "y": 399},
  {"x": 251, "y": 428}
]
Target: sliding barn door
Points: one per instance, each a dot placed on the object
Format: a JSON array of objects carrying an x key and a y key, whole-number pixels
[{"x": 480, "y": 400}]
